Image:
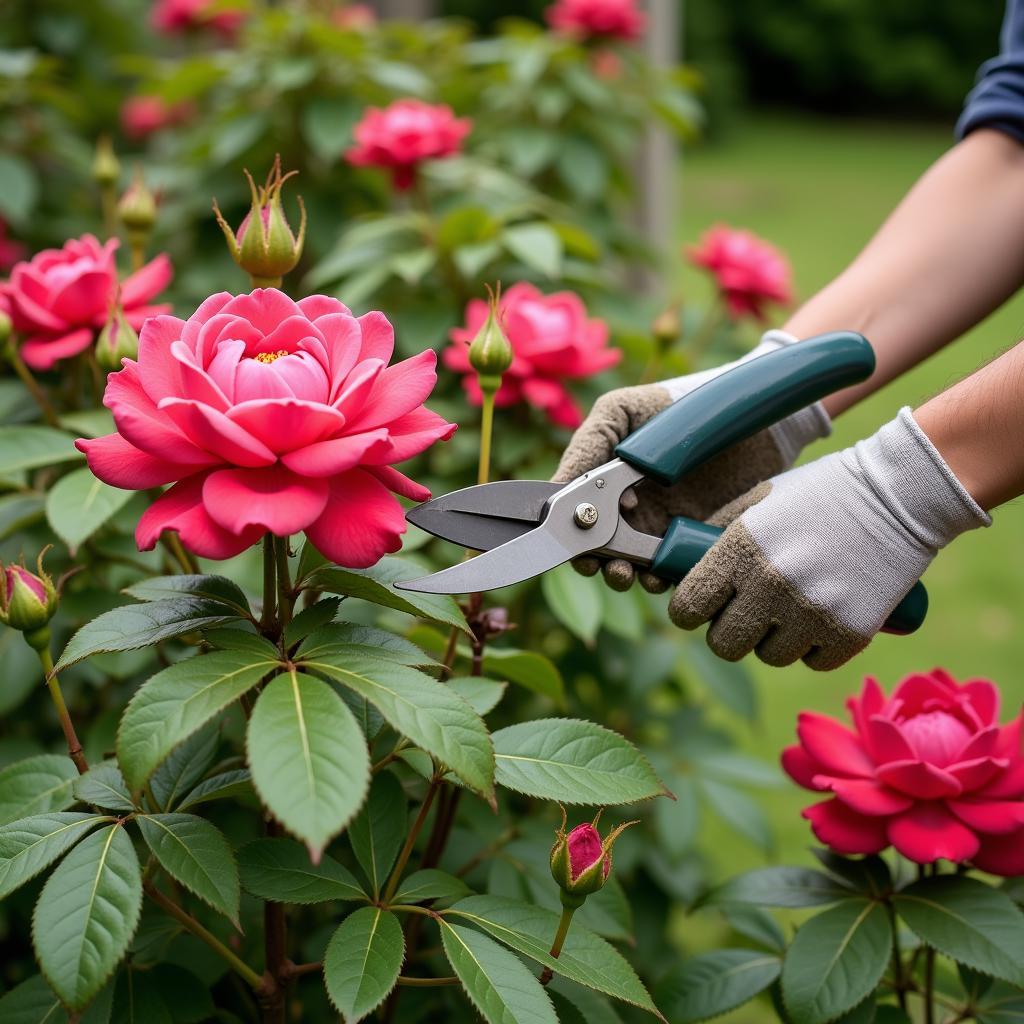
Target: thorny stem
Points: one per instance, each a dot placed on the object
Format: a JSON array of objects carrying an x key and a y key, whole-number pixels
[
  {"x": 410, "y": 841},
  {"x": 486, "y": 431},
  {"x": 32, "y": 385},
  {"x": 172, "y": 542},
  {"x": 897, "y": 960},
  {"x": 269, "y": 585},
  {"x": 53, "y": 684},
  {"x": 427, "y": 982},
  {"x": 556, "y": 947},
  {"x": 285, "y": 599},
  {"x": 929, "y": 966},
  {"x": 191, "y": 924}
]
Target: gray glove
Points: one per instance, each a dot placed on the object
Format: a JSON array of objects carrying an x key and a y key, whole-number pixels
[
  {"x": 650, "y": 507},
  {"x": 815, "y": 559}
]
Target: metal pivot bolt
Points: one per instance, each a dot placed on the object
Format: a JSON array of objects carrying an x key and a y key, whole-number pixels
[{"x": 585, "y": 515}]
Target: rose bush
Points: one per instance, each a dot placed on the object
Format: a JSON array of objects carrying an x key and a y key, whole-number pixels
[
  {"x": 60, "y": 298},
  {"x": 553, "y": 340},
  {"x": 617, "y": 19},
  {"x": 270, "y": 416},
  {"x": 928, "y": 770}
]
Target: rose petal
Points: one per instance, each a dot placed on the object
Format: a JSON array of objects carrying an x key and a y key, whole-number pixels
[
  {"x": 40, "y": 353},
  {"x": 398, "y": 390},
  {"x": 984, "y": 699},
  {"x": 399, "y": 483},
  {"x": 919, "y": 779},
  {"x": 866, "y": 797},
  {"x": 159, "y": 371},
  {"x": 272, "y": 498},
  {"x": 361, "y": 523},
  {"x": 833, "y": 746},
  {"x": 327, "y": 458},
  {"x": 870, "y": 702},
  {"x": 411, "y": 434},
  {"x": 976, "y": 773},
  {"x": 844, "y": 830},
  {"x": 801, "y": 767},
  {"x": 116, "y": 462},
  {"x": 1001, "y": 855},
  {"x": 885, "y": 741},
  {"x": 214, "y": 432},
  {"x": 181, "y": 509},
  {"x": 992, "y": 816},
  {"x": 928, "y": 832},
  {"x": 148, "y": 281}
]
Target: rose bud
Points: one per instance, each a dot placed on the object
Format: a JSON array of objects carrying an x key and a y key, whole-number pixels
[
  {"x": 137, "y": 208},
  {"x": 581, "y": 860},
  {"x": 264, "y": 245},
  {"x": 6, "y": 327},
  {"x": 106, "y": 169},
  {"x": 117, "y": 341},
  {"x": 490, "y": 352},
  {"x": 667, "y": 325},
  {"x": 28, "y": 601}
]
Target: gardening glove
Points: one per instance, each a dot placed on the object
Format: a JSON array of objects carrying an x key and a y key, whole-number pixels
[
  {"x": 814, "y": 560},
  {"x": 650, "y": 507}
]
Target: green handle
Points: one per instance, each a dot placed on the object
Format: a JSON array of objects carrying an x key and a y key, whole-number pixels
[
  {"x": 743, "y": 401},
  {"x": 687, "y": 540}
]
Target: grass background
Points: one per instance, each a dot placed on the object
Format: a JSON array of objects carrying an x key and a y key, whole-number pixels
[{"x": 819, "y": 189}]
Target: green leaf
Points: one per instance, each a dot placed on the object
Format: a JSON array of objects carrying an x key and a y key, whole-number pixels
[
  {"x": 757, "y": 925},
  {"x": 375, "y": 585},
  {"x": 36, "y": 785},
  {"x": 178, "y": 701},
  {"x": 575, "y": 601},
  {"x": 86, "y": 915},
  {"x": 430, "y": 884},
  {"x": 482, "y": 695},
  {"x": 497, "y": 982},
  {"x": 362, "y": 962},
  {"x": 1000, "y": 1004},
  {"x": 711, "y": 984},
  {"x": 968, "y": 921},
  {"x": 31, "y": 844},
  {"x": 228, "y": 638},
  {"x": 236, "y": 134},
  {"x": 103, "y": 786},
  {"x": 341, "y": 640},
  {"x": 219, "y": 787},
  {"x": 184, "y": 767},
  {"x": 308, "y": 758},
  {"x": 280, "y": 870},
  {"x": 378, "y": 830},
  {"x": 32, "y": 1002},
  {"x": 79, "y": 504},
  {"x": 426, "y": 711},
  {"x": 677, "y": 821},
  {"x": 730, "y": 682},
  {"x": 88, "y": 422},
  {"x": 572, "y": 761},
  {"x": 836, "y": 960},
  {"x": 197, "y": 855},
  {"x": 870, "y": 875},
  {"x": 18, "y": 511},
  {"x": 141, "y": 625},
  {"x": 582, "y": 167},
  {"x": 210, "y": 587},
  {"x": 528, "y": 669},
  {"x": 31, "y": 447},
  {"x": 586, "y": 958},
  {"x": 316, "y": 616},
  {"x": 327, "y": 124},
  {"x": 738, "y": 811},
  {"x": 19, "y": 188},
  {"x": 466, "y": 225},
  {"x": 537, "y": 245}
]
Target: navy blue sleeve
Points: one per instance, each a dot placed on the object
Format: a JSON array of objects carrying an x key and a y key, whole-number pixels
[{"x": 997, "y": 99}]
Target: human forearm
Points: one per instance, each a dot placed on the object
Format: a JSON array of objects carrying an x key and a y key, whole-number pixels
[
  {"x": 949, "y": 254},
  {"x": 978, "y": 426}
]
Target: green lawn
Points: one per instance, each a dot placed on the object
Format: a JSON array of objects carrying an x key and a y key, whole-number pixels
[{"x": 818, "y": 189}]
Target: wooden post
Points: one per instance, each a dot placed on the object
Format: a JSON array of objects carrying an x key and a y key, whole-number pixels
[{"x": 657, "y": 158}]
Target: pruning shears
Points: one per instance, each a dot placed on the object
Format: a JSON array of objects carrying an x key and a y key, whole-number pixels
[{"x": 525, "y": 527}]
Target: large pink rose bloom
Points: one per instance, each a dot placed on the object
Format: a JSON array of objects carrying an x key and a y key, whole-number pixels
[
  {"x": 552, "y": 340},
  {"x": 401, "y": 136},
  {"x": 616, "y": 19},
  {"x": 61, "y": 297},
  {"x": 928, "y": 770},
  {"x": 749, "y": 272},
  {"x": 271, "y": 415},
  {"x": 178, "y": 16}
]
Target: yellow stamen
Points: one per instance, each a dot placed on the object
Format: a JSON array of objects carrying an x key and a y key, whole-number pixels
[{"x": 269, "y": 357}]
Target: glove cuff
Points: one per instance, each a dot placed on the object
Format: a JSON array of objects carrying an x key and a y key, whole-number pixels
[{"x": 907, "y": 472}]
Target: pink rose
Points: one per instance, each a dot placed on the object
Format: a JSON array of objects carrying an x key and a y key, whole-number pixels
[
  {"x": 272, "y": 416},
  {"x": 748, "y": 271},
  {"x": 929, "y": 771},
  {"x": 10, "y": 250},
  {"x": 178, "y": 16},
  {"x": 61, "y": 297},
  {"x": 617, "y": 19},
  {"x": 141, "y": 116},
  {"x": 355, "y": 17},
  {"x": 404, "y": 134},
  {"x": 552, "y": 341},
  {"x": 585, "y": 850}
]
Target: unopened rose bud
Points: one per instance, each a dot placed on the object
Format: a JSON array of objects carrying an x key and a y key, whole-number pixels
[
  {"x": 490, "y": 352},
  {"x": 264, "y": 245},
  {"x": 581, "y": 860},
  {"x": 106, "y": 169},
  {"x": 117, "y": 341},
  {"x": 137, "y": 208},
  {"x": 667, "y": 325},
  {"x": 27, "y": 602},
  {"x": 6, "y": 328}
]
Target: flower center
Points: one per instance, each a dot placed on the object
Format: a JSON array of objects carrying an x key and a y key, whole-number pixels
[
  {"x": 270, "y": 357},
  {"x": 936, "y": 736}
]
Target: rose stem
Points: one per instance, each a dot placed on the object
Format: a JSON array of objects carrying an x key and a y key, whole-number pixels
[
  {"x": 285, "y": 598},
  {"x": 556, "y": 947},
  {"x": 32, "y": 385},
  {"x": 269, "y": 585},
  {"x": 188, "y": 921},
  {"x": 897, "y": 960},
  {"x": 427, "y": 982},
  {"x": 53, "y": 684},
  {"x": 410, "y": 841},
  {"x": 172, "y": 542}
]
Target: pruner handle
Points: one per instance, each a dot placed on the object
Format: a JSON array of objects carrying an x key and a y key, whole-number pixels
[{"x": 687, "y": 540}]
